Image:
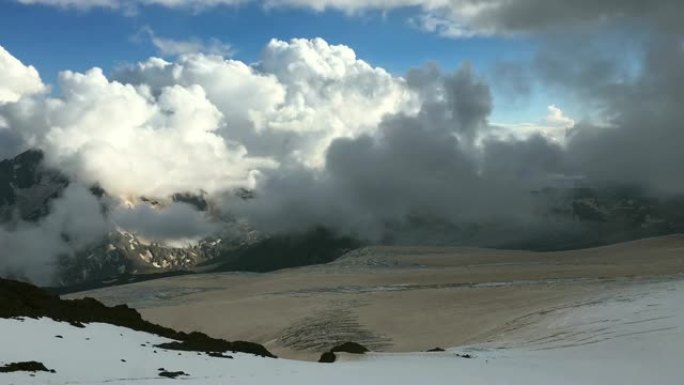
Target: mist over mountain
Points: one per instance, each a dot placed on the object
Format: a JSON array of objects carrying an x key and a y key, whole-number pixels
[{"x": 87, "y": 239}]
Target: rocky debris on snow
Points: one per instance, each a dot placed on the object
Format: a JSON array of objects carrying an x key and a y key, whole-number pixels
[
  {"x": 217, "y": 355},
  {"x": 25, "y": 366},
  {"x": 172, "y": 374},
  {"x": 200, "y": 342}
]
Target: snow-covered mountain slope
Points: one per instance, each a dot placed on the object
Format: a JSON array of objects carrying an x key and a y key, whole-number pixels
[{"x": 631, "y": 336}]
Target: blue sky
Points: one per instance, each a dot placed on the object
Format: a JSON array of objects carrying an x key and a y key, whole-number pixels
[{"x": 54, "y": 39}]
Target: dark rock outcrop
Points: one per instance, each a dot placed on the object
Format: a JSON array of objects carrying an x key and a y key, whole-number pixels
[
  {"x": 327, "y": 357},
  {"x": 347, "y": 347},
  {"x": 172, "y": 374},
  {"x": 27, "y": 186},
  {"x": 435, "y": 350},
  {"x": 26, "y": 366},
  {"x": 200, "y": 342},
  {"x": 350, "y": 347},
  {"x": 18, "y": 299}
]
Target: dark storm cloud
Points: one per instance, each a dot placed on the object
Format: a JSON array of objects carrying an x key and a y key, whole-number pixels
[
  {"x": 533, "y": 16},
  {"x": 427, "y": 166},
  {"x": 432, "y": 165},
  {"x": 642, "y": 140},
  {"x": 621, "y": 59}
]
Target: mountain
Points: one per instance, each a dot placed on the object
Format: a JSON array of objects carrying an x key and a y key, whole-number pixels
[
  {"x": 28, "y": 187},
  {"x": 563, "y": 218},
  {"x": 568, "y": 217},
  {"x": 605, "y": 215}
]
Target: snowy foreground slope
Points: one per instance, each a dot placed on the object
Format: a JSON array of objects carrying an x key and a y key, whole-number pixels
[{"x": 634, "y": 334}]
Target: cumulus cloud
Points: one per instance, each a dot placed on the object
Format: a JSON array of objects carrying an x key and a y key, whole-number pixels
[
  {"x": 291, "y": 105},
  {"x": 17, "y": 79},
  {"x": 330, "y": 94},
  {"x": 99, "y": 131},
  {"x": 204, "y": 124}
]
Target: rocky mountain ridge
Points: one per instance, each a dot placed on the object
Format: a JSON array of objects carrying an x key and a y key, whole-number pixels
[
  {"x": 27, "y": 189},
  {"x": 587, "y": 217}
]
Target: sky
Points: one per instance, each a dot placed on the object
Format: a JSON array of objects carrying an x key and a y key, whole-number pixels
[{"x": 379, "y": 119}]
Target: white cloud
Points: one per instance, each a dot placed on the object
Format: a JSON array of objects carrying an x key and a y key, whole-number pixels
[
  {"x": 199, "y": 124},
  {"x": 294, "y": 102},
  {"x": 134, "y": 143},
  {"x": 231, "y": 85},
  {"x": 205, "y": 123},
  {"x": 554, "y": 126},
  {"x": 557, "y": 118},
  {"x": 17, "y": 79},
  {"x": 453, "y": 21},
  {"x": 174, "y": 47},
  {"x": 330, "y": 94}
]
